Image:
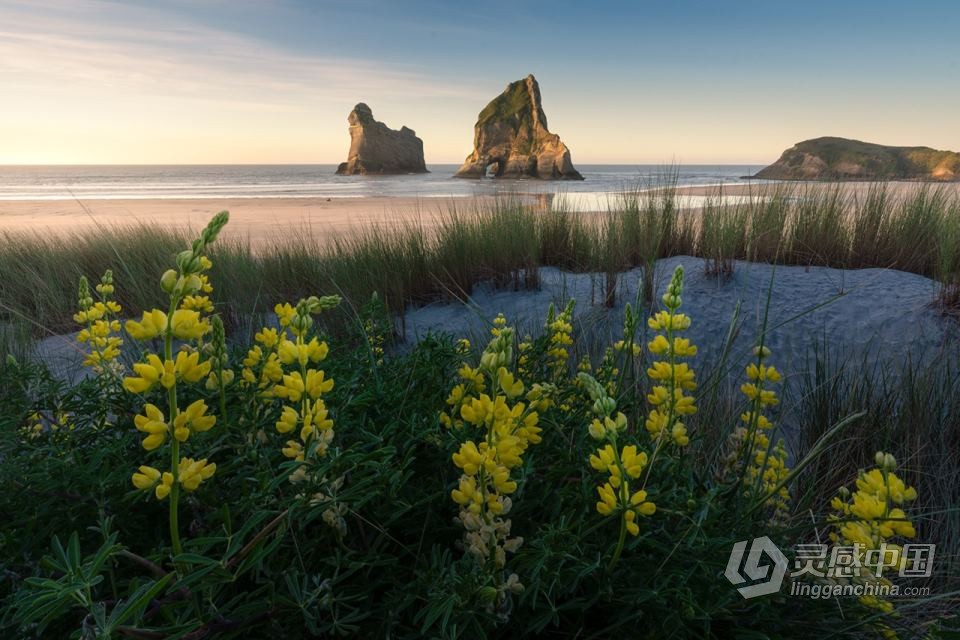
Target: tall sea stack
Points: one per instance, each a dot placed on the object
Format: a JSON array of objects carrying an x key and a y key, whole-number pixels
[{"x": 511, "y": 139}]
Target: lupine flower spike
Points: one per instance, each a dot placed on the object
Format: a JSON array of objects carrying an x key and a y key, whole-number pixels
[
  {"x": 870, "y": 520},
  {"x": 622, "y": 464},
  {"x": 502, "y": 415},
  {"x": 301, "y": 384},
  {"x": 101, "y": 326},
  {"x": 762, "y": 467},
  {"x": 185, "y": 287},
  {"x": 672, "y": 378}
]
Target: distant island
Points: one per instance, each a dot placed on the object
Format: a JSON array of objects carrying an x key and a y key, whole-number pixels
[{"x": 831, "y": 158}]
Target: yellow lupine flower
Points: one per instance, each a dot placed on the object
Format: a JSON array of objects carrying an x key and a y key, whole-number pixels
[
  {"x": 608, "y": 500},
  {"x": 192, "y": 419},
  {"x": 468, "y": 458},
  {"x": 477, "y": 410},
  {"x": 321, "y": 415},
  {"x": 752, "y": 391},
  {"x": 622, "y": 464},
  {"x": 466, "y": 494},
  {"x": 472, "y": 376},
  {"x": 268, "y": 337},
  {"x": 166, "y": 483},
  {"x": 194, "y": 472},
  {"x": 285, "y": 313},
  {"x": 288, "y": 420},
  {"x": 679, "y": 434},
  {"x": 189, "y": 368},
  {"x": 153, "y": 323},
  {"x": 681, "y": 374},
  {"x": 667, "y": 398},
  {"x": 457, "y": 394},
  {"x": 149, "y": 373},
  {"x": 502, "y": 483},
  {"x": 633, "y": 462},
  {"x": 630, "y": 519},
  {"x": 152, "y": 423},
  {"x": 509, "y": 450},
  {"x": 639, "y": 501},
  {"x": 146, "y": 478},
  {"x": 200, "y": 304},
  {"x": 188, "y": 325},
  {"x": 288, "y": 352},
  {"x": 527, "y": 430},
  {"x": 604, "y": 459},
  {"x": 597, "y": 430},
  {"x": 762, "y": 372},
  {"x": 317, "y": 384},
  {"x": 293, "y": 450},
  {"x": 663, "y": 320},
  {"x": 316, "y": 351},
  {"x": 508, "y": 385}
]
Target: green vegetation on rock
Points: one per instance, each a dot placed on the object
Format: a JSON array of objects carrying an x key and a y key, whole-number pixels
[{"x": 831, "y": 158}]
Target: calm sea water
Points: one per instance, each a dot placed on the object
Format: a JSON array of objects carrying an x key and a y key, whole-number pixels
[{"x": 318, "y": 180}]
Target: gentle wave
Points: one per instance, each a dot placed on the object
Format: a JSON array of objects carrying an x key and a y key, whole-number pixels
[{"x": 319, "y": 181}]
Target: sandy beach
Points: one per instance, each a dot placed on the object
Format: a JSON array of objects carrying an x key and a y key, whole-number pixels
[
  {"x": 261, "y": 220},
  {"x": 256, "y": 219}
]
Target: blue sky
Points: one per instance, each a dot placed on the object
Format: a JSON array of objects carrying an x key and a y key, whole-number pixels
[{"x": 695, "y": 82}]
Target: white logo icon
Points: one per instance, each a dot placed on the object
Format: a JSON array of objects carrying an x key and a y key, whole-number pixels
[{"x": 753, "y": 568}]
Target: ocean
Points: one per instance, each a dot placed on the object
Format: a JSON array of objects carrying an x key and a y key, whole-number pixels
[{"x": 105, "y": 182}]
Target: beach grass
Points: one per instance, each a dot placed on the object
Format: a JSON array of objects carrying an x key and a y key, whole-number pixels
[{"x": 504, "y": 242}]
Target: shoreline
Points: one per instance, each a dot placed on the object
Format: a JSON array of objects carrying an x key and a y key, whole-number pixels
[{"x": 261, "y": 219}]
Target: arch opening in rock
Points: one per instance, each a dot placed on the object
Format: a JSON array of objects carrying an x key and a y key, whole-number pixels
[{"x": 494, "y": 169}]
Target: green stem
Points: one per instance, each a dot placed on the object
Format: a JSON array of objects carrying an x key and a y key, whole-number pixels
[
  {"x": 220, "y": 390},
  {"x": 624, "y": 491},
  {"x": 175, "y": 444},
  {"x": 620, "y": 541}
]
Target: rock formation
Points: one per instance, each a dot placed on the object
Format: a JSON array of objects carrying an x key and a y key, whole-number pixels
[
  {"x": 843, "y": 159},
  {"x": 511, "y": 139},
  {"x": 375, "y": 148}
]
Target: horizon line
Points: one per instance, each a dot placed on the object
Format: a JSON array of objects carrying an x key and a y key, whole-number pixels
[{"x": 319, "y": 164}]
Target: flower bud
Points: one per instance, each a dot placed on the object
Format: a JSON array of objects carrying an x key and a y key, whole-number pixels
[
  {"x": 487, "y": 595},
  {"x": 889, "y": 462},
  {"x": 192, "y": 284},
  {"x": 609, "y": 404},
  {"x": 168, "y": 280},
  {"x": 879, "y": 458},
  {"x": 183, "y": 260}
]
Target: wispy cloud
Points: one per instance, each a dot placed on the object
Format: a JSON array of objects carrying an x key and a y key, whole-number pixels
[{"x": 155, "y": 53}]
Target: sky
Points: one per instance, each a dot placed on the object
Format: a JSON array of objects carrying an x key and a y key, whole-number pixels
[{"x": 272, "y": 81}]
